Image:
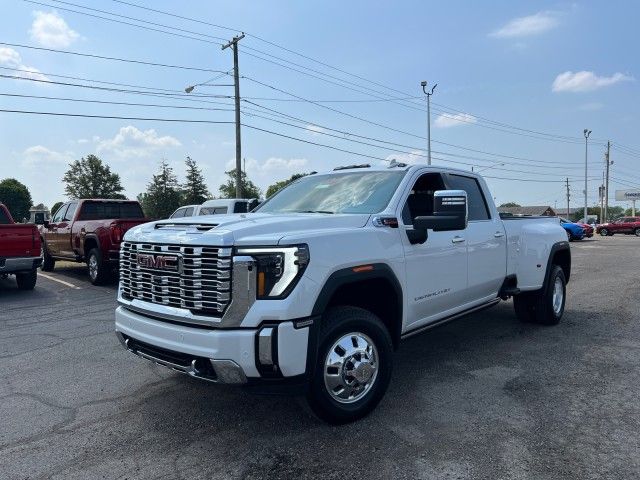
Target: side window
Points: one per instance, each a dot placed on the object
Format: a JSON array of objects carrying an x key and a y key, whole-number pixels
[
  {"x": 178, "y": 213},
  {"x": 240, "y": 207},
  {"x": 420, "y": 201},
  {"x": 478, "y": 209},
  {"x": 220, "y": 210},
  {"x": 188, "y": 212},
  {"x": 68, "y": 216},
  {"x": 206, "y": 211},
  {"x": 57, "y": 218}
]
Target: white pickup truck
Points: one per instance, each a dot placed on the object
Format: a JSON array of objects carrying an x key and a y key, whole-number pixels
[{"x": 315, "y": 290}]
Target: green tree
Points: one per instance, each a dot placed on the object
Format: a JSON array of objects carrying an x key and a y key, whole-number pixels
[
  {"x": 90, "y": 178},
  {"x": 194, "y": 190},
  {"x": 249, "y": 189},
  {"x": 510, "y": 204},
  {"x": 283, "y": 183},
  {"x": 163, "y": 194},
  {"x": 55, "y": 208},
  {"x": 16, "y": 197}
]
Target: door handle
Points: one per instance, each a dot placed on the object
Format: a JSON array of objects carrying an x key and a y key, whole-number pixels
[
  {"x": 498, "y": 234},
  {"x": 457, "y": 240}
]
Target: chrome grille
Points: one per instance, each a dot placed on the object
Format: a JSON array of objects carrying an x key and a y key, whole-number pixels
[{"x": 199, "y": 281}]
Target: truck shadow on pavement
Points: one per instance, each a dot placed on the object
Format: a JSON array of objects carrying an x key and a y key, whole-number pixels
[{"x": 435, "y": 357}]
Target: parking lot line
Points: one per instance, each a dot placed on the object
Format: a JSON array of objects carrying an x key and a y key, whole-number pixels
[{"x": 49, "y": 277}]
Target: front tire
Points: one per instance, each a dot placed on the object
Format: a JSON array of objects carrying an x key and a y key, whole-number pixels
[
  {"x": 354, "y": 365},
  {"x": 27, "y": 281},
  {"x": 544, "y": 306},
  {"x": 637, "y": 232},
  {"x": 98, "y": 271},
  {"x": 48, "y": 263}
]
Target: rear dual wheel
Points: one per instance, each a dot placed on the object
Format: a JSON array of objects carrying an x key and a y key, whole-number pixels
[
  {"x": 544, "y": 306},
  {"x": 27, "y": 281}
]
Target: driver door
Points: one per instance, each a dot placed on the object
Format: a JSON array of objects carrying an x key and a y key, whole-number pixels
[
  {"x": 51, "y": 232},
  {"x": 436, "y": 270}
]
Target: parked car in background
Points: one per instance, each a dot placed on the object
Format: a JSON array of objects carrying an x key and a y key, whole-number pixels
[
  {"x": 574, "y": 230},
  {"x": 588, "y": 229},
  {"x": 218, "y": 206},
  {"x": 89, "y": 231},
  {"x": 19, "y": 250},
  {"x": 627, "y": 225}
]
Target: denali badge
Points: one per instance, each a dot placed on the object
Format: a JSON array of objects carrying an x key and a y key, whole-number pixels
[{"x": 158, "y": 262}]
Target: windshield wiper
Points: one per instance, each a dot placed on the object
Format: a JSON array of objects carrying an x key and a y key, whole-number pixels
[{"x": 314, "y": 211}]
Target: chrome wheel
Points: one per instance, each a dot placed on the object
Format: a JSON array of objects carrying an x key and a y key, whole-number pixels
[
  {"x": 351, "y": 367},
  {"x": 604, "y": 232},
  {"x": 558, "y": 296},
  {"x": 93, "y": 267}
]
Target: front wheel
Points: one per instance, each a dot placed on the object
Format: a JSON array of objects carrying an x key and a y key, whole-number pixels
[
  {"x": 637, "y": 232},
  {"x": 354, "y": 365},
  {"x": 544, "y": 306},
  {"x": 48, "y": 263},
  {"x": 98, "y": 271},
  {"x": 27, "y": 281}
]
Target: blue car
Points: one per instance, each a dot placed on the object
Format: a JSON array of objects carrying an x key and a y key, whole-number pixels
[{"x": 574, "y": 231}]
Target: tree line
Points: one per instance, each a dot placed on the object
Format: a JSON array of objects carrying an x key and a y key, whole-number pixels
[{"x": 90, "y": 177}]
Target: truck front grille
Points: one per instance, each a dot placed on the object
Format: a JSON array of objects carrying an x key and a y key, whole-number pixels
[{"x": 193, "y": 278}]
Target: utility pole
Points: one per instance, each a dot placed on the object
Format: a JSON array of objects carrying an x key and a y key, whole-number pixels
[
  {"x": 587, "y": 132},
  {"x": 568, "y": 195},
  {"x": 601, "y": 190},
  {"x": 606, "y": 182},
  {"x": 236, "y": 80},
  {"x": 428, "y": 94}
]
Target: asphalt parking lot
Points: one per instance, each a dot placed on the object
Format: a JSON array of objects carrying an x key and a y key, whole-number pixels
[{"x": 483, "y": 397}]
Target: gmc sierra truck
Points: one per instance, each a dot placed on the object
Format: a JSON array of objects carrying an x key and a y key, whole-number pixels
[
  {"x": 89, "y": 231},
  {"x": 317, "y": 287},
  {"x": 19, "y": 250}
]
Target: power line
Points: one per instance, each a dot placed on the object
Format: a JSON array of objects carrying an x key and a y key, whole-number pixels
[
  {"x": 114, "y": 117},
  {"x": 115, "y": 59}
]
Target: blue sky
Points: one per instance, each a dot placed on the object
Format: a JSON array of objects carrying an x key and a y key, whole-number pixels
[{"x": 554, "y": 68}]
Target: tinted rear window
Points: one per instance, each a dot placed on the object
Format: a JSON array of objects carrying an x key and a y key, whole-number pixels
[{"x": 110, "y": 210}]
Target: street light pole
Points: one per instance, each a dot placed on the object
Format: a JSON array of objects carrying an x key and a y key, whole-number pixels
[
  {"x": 586, "y": 132},
  {"x": 428, "y": 94}
]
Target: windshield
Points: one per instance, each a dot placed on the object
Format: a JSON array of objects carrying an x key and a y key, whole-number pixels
[{"x": 351, "y": 192}]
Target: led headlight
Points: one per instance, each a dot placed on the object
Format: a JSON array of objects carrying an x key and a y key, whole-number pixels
[{"x": 279, "y": 268}]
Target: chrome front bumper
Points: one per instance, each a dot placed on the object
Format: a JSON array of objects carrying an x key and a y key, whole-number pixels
[{"x": 219, "y": 355}]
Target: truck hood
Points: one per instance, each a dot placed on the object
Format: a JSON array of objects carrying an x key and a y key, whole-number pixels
[{"x": 241, "y": 228}]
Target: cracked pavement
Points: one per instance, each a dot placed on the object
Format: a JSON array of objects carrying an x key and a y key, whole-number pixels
[{"x": 483, "y": 397}]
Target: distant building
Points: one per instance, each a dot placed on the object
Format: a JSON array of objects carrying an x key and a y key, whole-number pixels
[{"x": 542, "y": 210}]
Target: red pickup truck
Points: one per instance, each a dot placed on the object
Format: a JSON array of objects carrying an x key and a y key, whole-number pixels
[
  {"x": 628, "y": 225},
  {"x": 89, "y": 231},
  {"x": 19, "y": 250}
]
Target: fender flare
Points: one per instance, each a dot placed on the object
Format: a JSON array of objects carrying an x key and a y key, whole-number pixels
[
  {"x": 89, "y": 236},
  {"x": 555, "y": 248}
]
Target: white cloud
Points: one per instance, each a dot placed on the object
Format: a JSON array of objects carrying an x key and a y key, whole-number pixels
[
  {"x": 413, "y": 157},
  {"x": 12, "y": 59},
  {"x": 447, "y": 120},
  {"x": 132, "y": 142},
  {"x": 38, "y": 155},
  {"x": 315, "y": 129},
  {"x": 584, "y": 81},
  {"x": 591, "y": 106},
  {"x": 51, "y": 30},
  {"x": 527, "y": 26}
]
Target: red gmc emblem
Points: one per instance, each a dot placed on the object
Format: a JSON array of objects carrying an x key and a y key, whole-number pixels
[{"x": 158, "y": 262}]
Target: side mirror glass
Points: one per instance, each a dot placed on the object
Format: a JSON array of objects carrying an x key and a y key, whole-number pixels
[{"x": 449, "y": 212}]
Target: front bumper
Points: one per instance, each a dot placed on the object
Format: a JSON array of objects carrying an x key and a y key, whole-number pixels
[
  {"x": 275, "y": 350},
  {"x": 19, "y": 264}
]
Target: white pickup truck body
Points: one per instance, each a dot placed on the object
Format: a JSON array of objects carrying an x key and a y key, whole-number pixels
[{"x": 189, "y": 290}]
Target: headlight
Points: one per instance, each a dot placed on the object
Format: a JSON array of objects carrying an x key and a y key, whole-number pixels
[{"x": 279, "y": 268}]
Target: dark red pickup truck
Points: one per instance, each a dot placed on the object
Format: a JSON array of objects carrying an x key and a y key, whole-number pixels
[
  {"x": 19, "y": 250},
  {"x": 90, "y": 231}
]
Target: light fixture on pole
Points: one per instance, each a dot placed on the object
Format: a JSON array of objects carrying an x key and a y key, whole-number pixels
[
  {"x": 586, "y": 132},
  {"x": 428, "y": 94}
]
